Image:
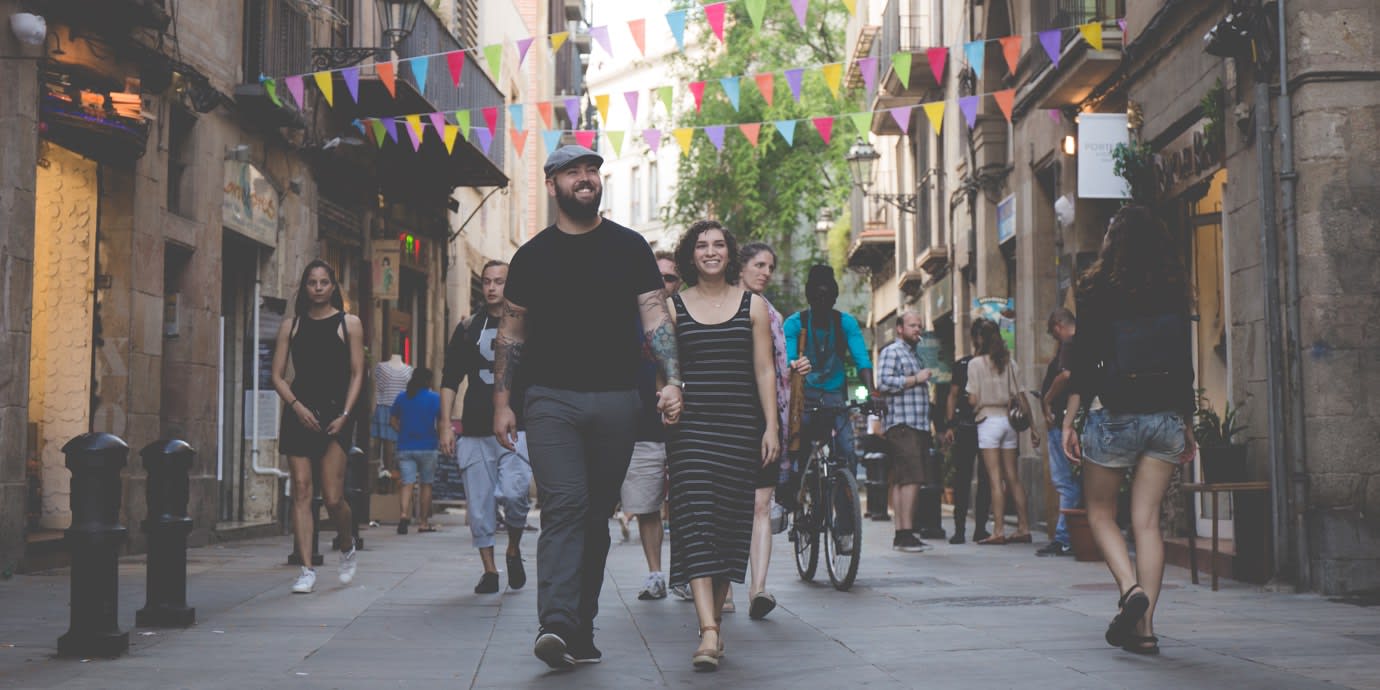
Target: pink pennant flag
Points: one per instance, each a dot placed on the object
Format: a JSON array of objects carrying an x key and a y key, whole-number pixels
[
  {"x": 868, "y": 68},
  {"x": 601, "y": 35},
  {"x": 572, "y": 110},
  {"x": 937, "y": 58},
  {"x": 523, "y": 45},
  {"x": 638, "y": 29},
  {"x": 585, "y": 137},
  {"x": 825, "y": 125},
  {"x": 416, "y": 140},
  {"x": 491, "y": 119},
  {"x": 697, "y": 90},
  {"x": 1054, "y": 115},
  {"x": 715, "y": 14},
  {"x": 1122, "y": 23},
  {"x": 766, "y": 83},
  {"x": 751, "y": 130},
  {"x": 438, "y": 123},
  {"x": 298, "y": 90},
  {"x": 901, "y": 115},
  {"x": 455, "y": 59},
  {"x": 801, "y": 7},
  {"x": 794, "y": 78},
  {"x": 969, "y": 104},
  {"x": 716, "y": 136},
  {"x": 632, "y": 98},
  {"x": 653, "y": 139}
]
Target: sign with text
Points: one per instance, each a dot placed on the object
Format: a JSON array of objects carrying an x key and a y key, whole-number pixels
[
  {"x": 1098, "y": 136},
  {"x": 387, "y": 269},
  {"x": 1006, "y": 219},
  {"x": 250, "y": 204}
]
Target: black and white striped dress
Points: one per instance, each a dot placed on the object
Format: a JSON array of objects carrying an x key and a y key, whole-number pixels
[{"x": 715, "y": 452}]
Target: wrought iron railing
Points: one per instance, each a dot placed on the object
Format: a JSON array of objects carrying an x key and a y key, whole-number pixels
[
  {"x": 277, "y": 39},
  {"x": 904, "y": 30}
]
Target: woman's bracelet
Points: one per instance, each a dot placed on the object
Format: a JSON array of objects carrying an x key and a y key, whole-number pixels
[{"x": 294, "y": 402}]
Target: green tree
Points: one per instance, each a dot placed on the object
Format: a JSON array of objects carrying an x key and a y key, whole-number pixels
[{"x": 772, "y": 192}]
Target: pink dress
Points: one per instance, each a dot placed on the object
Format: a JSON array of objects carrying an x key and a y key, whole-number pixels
[{"x": 783, "y": 373}]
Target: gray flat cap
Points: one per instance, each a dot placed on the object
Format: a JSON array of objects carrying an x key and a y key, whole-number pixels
[{"x": 566, "y": 155}]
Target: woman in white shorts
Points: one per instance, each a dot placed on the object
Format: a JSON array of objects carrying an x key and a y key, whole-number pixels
[{"x": 990, "y": 387}]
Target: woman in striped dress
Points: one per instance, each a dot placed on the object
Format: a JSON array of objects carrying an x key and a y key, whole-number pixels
[{"x": 729, "y": 430}]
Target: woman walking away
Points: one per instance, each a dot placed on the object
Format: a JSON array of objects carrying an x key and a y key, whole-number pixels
[
  {"x": 729, "y": 430},
  {"x": 416, "y": 412},
  {"x": 758, "y": 263},
  {"x": 1131, "y": 351},
  {"x": 326, "y": 346},
  {"x": 992, "y": 381}
]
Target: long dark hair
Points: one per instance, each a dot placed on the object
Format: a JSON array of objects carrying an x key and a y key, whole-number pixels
[
  {"x": 303, "y": 302},
  {"x": 421, "y": 380},
  {"x": 685, "y": 253},
  {"x": 1139, "y": 264},
  {"x": 990, "y": 343}
]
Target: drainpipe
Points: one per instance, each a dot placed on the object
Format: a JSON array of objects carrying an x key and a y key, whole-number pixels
[
  {"x": 1279, "y": 472},
  {"x": 1288, "y": 178},
  {"x": 254, "y": 397}
]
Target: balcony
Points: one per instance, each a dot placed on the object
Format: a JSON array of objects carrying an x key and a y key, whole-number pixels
[
  {"x": 1081, "y": 69},
  {"x": 112, "y": 17},
  {"x": 874, "y": 247},
  {"x": 933, "y": 260},
  {"x": 903, "y": 31}
]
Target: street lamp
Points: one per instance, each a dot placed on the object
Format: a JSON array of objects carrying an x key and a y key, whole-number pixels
[
  {"x": 822, "y": 228},
  {"x": 862, "y": 165},
  {"x": 397, "y": 17}
]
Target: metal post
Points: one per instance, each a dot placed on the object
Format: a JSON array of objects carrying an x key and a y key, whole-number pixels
[
  {"x": 167, "y": 463},
  {"x": 94, "y": 539}
]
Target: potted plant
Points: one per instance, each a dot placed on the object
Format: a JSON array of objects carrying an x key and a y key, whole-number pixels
[
  {"x": 1224, "y": 460},
  {"x": 1135, "y": 163}
]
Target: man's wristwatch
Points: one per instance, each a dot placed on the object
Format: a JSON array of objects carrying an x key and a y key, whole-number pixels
[{"x": 676, "y": 382}]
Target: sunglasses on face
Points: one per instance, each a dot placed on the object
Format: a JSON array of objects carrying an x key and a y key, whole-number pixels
[{"x": 670, "y": 277}]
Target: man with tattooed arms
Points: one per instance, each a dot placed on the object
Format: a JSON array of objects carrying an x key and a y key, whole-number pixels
[{"x": 575, "y": 292}]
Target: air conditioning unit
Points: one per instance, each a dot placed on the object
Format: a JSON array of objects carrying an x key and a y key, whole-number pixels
[{"x": 574, "y": 10}]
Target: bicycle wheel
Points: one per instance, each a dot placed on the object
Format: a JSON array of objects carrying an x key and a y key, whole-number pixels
[
  {"x": 804, "y": 534},
  {"x": 842, "y": 530}
]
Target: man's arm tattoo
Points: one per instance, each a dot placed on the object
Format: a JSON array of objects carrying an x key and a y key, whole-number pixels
[
  {"x": 661, "y": 336},
  {"x": 507, "y": 349}
]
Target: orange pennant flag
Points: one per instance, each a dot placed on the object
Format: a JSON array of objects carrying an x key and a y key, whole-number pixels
[
  {"x": 766, "y": 83},
  {"x": 751, "y": 130},
  {"x": 544, "y": 108},
  {"x": 387, "y": 74},
  {"x": 638, "y": 29},
  {"x": 1005, "y": 99},
  {"x": 1011, "y": 50},
  {"x": 519, "y": 139}
]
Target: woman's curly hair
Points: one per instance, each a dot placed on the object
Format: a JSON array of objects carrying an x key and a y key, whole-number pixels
[
  {"x": 685, "y": 253},
  {"x": 1139, "y": 262}
]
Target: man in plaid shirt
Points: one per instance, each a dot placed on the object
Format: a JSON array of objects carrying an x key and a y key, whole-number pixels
[{"x": 903, "y": 385}]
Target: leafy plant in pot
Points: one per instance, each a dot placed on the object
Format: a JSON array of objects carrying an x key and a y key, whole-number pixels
[{"x": 1223, "y": 459}]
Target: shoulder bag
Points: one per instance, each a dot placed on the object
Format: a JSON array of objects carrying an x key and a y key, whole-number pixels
[{"x": 1018, "y": 408}]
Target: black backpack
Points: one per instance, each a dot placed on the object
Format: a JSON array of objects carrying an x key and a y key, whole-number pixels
[{"x": 1144, "y": 358}]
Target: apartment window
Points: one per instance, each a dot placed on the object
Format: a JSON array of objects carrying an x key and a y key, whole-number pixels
[
  {"x": 653, "y": 192},
  {"x": 635, "y": 198},
  {"x": 467, "y": 22},
  {"x": 181, "y": 162},
  {"x": 606, "y": 200}
]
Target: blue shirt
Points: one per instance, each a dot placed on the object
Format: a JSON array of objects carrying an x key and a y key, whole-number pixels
[
  {"x": 417, "y": 420},
  {"x": 821, "y": 347}
]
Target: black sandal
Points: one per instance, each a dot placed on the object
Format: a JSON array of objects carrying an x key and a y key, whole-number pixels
[
  {"x": 1133, "y": 608},
  {"x": 1137, "y": 644}
]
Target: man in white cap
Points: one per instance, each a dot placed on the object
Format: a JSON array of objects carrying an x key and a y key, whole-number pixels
[{"x": 577, "y": 295}]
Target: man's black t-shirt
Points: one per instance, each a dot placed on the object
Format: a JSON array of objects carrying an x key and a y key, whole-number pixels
[
  {"x": 963, "y": 412},
  {"x": 1063, "y": 359},
  {"x": 580, "y": 293},
  {"x": 470, "y": 352}
]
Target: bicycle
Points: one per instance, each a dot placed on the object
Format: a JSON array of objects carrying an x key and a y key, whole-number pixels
[{"x": 828, "y": 505}]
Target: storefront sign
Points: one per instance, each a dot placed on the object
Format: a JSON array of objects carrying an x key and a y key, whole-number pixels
[
  {"x": 1006, "y": 219},
  {"x": 1098, "y": 136},
  {"x": 250, "y": 204},
  {"x": 1187, "y": 160},
  {"x": 387, "y": 269}
]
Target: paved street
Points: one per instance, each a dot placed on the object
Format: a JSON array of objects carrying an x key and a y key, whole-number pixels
[{"x": 959, "y": 616}]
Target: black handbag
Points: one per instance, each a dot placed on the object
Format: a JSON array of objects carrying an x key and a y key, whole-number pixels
[{"x": 1018, "y": 408}]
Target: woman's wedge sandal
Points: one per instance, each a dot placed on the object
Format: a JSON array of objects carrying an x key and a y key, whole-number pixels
[
  {"x": 1137, "y": 644},
  {"x": 1133, "y": 605},
  {"x": 707, "y": 658}
]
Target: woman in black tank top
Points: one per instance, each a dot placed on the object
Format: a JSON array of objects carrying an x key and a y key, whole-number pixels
[{"x": 326, "y": 347}]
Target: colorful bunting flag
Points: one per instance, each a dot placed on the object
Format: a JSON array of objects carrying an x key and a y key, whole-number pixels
[
  {"x": 351, "y": 77},
  {"x": 935, "y": 111},
  {"x": 667, "y": 96},
  {"x": 271, "y": 86},
  {"x": 419, "y": 67},
  {"x": 632, "y": 98},
  {"x": 653, "y": 139},
  {"x": 486, "y": 140},
  {"x": 937, "y": 57},
  {"x": 493, "y": 54},
  {"x": 683, "y": 137},
  {"x": 714, "y": 13},
  {"x": 414, "y": 123},
  {"x": 585, "y": 138},
  {"x": 868, "y": 68},
  {"x": 900, "y": 63},
  {"x": 716, "y": 136},
  {"x": 825, "y": 127},
  {"x": 862, "y": 122},
  {"x": 851, "y": 6},
  {"x": 751, "y": 130},
  {"x": 901, "y": 115},
  {"x": 833, "y": 76},
  {"x": 755, "y": 9},
  {"x": 969, "y": 104},
  {"x": 975, "y": 52},
  {"x": 615, "y": 138},
  {"x": 462, "y": 120},
  {"x": 544, "y": 109},
  {"x": 1121, "y": 23},
  {"x": 552, "y": 139},
  {"x": 801, "y": 7},
  {"x": 327, "y": 86},
  {"x": 1050, "y": 40},
  {"x": 787, "y": 130},
  {"x": 1011, "y": 50},
  {"x": 730, "y": 85},
  {"x": 388, "y": 75},
  {"x": 377, "y": 127},
  {"x": 638, "y": 29},
  {"x": 697, "y": 90},
  {"x": 572, "y": 110},
  {"x": 558, "y": 40},
  {"x": 448, "y": 135},
  {"x": 766, "y": 85},
  {"x": 600, "y": 34},
  {"x": 515, "y": 116},
  {"x": 601, "y": 103},
  {"x": 455, "y": 60},
  {"x": 1092, "y": 33},
  {"x": 491, "y": 119},
  {"x": 298, "y": 91},
  {"x": 523, "y": 45},
  {"x": 415, "y": 139},
  {"x": 794, "y": 77},
  {"x": 676, "y": 20},
  {"x": 1005, "y": 100},
  {"x": 438, "y": 123},
  {"x": 1054, "y": 116}
]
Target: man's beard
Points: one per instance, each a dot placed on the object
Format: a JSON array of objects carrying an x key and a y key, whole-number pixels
[{"x": 576, "y": 209}]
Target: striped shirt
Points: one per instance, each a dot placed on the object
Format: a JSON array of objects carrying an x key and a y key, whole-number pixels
[{"x": 389, "y": 381}]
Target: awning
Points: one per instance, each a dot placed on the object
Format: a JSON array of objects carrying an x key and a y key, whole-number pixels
[{"x": 873, "y": 247}]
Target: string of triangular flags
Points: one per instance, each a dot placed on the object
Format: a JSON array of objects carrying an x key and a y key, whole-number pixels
[
  {"x": 383, "y": 129},
  {"x": 974, "y": 53}
]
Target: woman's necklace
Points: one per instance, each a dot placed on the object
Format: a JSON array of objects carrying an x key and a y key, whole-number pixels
[{"x": 711, "y": 300}]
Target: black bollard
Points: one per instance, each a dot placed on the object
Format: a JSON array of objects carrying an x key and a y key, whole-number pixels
[
  {"x": 167, "y": 464},
  {"x": 93, "y": 540},
  {"x": 928, "y": 511},
  {"x": 874, "y": 459}
]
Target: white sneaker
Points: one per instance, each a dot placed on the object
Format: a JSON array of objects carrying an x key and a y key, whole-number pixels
[
  {"x": 653, "y": 588},
  {"x": 683, "y": 592},
  {"x": 348, "y": 565},
  {"x": 305, "y": 583}
]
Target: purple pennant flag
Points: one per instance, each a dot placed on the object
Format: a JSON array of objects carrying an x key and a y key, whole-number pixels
[
  {"x": 653, "y": 139},
  {"x": 572, "y": 110},
  {"x": 716, "y": 136},
  {"x": 632, "y": 97},
  {"x": 868, "y": 67},
  {"x": 438, "y": 123},
  {"x": 1121, "y": 23},
  {"x": 485, "y": 139},
  {"x": 523, "y": 45},
  {"x": 601, "y": 35},
  {"x": 1055, "y": 116},
  {"x": 801, "y": 7},
  {"x": 902, "y": 117},
  {"x": 351, "y": 76},
  {"x": 1050, "y": 40},
  {"x": 416, "y": 140},
  {"x": 390, "y": 126},
  {"x": 794, "y": 77},
  {"x": 969, "y": 104},
  {"x": 294, "y": 85}
]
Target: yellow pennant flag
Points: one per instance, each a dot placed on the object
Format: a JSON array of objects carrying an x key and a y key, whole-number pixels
[
  {"x": 683, "y": 136},
  {"x": 851, "y": 6},
  {"x": 616, "y": 141},
  {"x": 935, "y": 111},
  {"x": 1092, "y": 33},
  {"x": 601, "y": 102},
  {"x": 323, "y": 82},
  {"x": 415, "y": 122},
  {"x": 833, "y": 75},
  {"x": 451, "y": 132},
  {"x": 558, "y": 40}
]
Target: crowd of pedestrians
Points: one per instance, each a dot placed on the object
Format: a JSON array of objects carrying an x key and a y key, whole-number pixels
[{"x": 658, "y": 386}]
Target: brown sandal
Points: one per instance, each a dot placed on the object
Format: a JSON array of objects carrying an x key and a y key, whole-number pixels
[
  {"x": 994, "y": 540},
  {"x": 1020, "y": 539},
  {"x": 705, "y": 658}
]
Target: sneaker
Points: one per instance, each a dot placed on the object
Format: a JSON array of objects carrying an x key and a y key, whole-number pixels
[
  {"x": 348, "y": 565},
  {"x": 582, "y": 649},
  {"x": 1055, "y": 548},
  {"x": 517, "y": 575},
  {"x": 551, "y": 647},
  {"x": 910, "y": 543},
  {"x": 653, "y": 588},
  {"x": 488, "y": 584},
  {"x": 958, "y": 538},
  {"x": 682, "y": 591},
  {"x": 305, "y": 583},
  {"x": 402, "y": 525}
]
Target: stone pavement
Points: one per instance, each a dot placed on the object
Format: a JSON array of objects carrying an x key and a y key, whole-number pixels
[{"x": 956, "y": 617}]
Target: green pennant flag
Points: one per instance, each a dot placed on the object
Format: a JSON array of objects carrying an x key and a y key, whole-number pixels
[
  {"x": 861, "y": 122},
  {"x": 271, "y": 86},
  {"x": 378, "y": 132},
  {"x": 756, "y": 8},
  {"x": 667, "y": 96},
  {"x": 616, "y": 141},
  {"x": 462, "y": 119},
  {"x": 901, "y": 63},
  {"x": 494, "y": 55}
]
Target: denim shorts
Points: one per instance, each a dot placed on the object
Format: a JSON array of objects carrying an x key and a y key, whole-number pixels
[
  {"x": 1119, "y": 440},
  {"x": 417, "y": 462}
]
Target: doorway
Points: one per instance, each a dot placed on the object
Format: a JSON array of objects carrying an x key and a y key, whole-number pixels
[{"x": 1211, "y": 336}]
